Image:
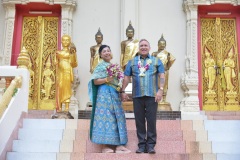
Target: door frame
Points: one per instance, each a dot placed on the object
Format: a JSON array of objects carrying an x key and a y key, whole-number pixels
[
  {"x": 221, "y": 11},
  {"x": 24, "y": 10}
]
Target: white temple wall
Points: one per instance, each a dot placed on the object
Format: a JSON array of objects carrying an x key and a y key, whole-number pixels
[
  {"x": 2, "y": 15},
  {"x": 167, "y": 18},
  {"x": 149, "y": 18},
  {"x": 88, "y": 17}
]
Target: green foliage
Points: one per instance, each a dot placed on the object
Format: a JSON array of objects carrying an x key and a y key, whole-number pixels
[{"x": 14, "y": 92}]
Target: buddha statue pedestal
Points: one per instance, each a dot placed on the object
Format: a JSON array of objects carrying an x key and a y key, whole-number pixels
[
  {"x": 128, "y": 105},
  {"x": 211, "y": 103},
  {"x": 62, "y": 115},
  {"x": 232, "y": 103},
  {"x": 72, "y": 113},
  {"x": 164, "y": 106}
]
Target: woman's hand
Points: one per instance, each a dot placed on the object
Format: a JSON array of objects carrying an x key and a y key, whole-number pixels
[{"x": 109, "y": 79}]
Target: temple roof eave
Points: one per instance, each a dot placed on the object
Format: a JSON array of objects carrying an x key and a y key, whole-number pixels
[
  {"x": 50, "y": 2},
  {"x": 210, "y": 2}
]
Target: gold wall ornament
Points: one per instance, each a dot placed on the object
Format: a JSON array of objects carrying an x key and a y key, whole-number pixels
[
  {"x": 129, "y": 47},
  {"x": 48, "y": 80},
  {"x": 40, "y": 37},
  {"x": 167, "y": 59},
  {"x": 220, "y": 79},
  {"x": 23, "y": 59},
  {"x": 95, "y": 58}
]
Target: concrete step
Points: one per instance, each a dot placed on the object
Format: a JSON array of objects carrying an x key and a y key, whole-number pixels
[
  {"x": 193, "y": 116},
  {"x": 40, "y": 134},
  {"x": 47, "y": 134},
  {"x": 226, "y": 147},
  {"x": 44, "y": 124},
  {"x": 146, "y": 156},
  {"x": 31, "y": 156},
  {"x": 224, "y": 136},
  {"x": 39, "y": 146},
  {"x": 223, "y": 115},
  {"x": 222, "y": 125},
  {"x": 39, "y": 114},
  {"x": 164, "y": 147},
  {"x": 228, "y": 156}
]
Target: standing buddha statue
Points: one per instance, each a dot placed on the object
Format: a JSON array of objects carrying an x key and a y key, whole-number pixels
[
  {"x": 167, "y": 60},
  {"x": 66, "y": 60},
  {"x": 94, "y": 51},
  {"x": 129, "y": 47}
]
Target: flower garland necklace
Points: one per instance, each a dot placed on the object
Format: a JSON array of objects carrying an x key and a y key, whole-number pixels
[{"x": 142, "y": 68}]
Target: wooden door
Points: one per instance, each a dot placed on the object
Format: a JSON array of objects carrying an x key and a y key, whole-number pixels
[{"x": 39, "y": 36}]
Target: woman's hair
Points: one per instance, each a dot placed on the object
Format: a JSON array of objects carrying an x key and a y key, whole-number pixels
[{"x": 102, "y": 47}]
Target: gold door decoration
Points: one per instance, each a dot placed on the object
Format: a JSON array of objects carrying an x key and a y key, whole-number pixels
[
  {"x": 39, "y": 36},
  {"x": 220, "y": 73}
]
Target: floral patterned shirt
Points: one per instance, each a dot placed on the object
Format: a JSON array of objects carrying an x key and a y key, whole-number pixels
[{"x": 146, "y": 85}]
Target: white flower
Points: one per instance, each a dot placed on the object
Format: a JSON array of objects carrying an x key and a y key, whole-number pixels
[{"x": 149, "y": 61}]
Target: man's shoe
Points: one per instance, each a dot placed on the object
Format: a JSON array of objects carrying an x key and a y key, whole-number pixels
[
  {"x": 140, "y": 150},
  {"x": 151, "y": 151}
]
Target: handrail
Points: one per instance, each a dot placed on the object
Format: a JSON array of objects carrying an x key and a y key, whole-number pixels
[
  {"x": 7, "y": 96},
  {"x": 17, "y": 105}
]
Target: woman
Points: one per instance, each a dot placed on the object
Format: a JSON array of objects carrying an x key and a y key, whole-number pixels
[{"x": 108, "y": 123}]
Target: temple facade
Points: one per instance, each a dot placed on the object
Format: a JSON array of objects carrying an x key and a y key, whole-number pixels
[{"x": 202, "y": 35}]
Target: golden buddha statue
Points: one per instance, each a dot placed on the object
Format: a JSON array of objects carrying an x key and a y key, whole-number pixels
[
  {"x": 167, "y": 60},
  {"x": 94, "y": 51},
  {"x": 129, "y": 47},
  {"x": 48, "y": 79},
  {"x": 210, "y": 70},
  {"x": 229, "y": 73},
  {"x": 66, "y": 60}
]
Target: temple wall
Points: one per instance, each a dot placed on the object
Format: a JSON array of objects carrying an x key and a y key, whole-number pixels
[{"x": 150, "y": 20}]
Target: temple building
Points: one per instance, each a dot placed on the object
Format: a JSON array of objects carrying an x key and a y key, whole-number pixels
[{"x": 201, "y": 58}]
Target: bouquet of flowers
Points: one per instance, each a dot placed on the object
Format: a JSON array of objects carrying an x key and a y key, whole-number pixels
[{"x": 114, "y": 70}]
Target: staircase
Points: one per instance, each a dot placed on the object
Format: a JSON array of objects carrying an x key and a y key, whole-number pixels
[{"x": 51, "y": 139}]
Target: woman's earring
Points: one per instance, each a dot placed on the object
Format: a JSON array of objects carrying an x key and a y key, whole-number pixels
[{"x": 111, "y": 56}]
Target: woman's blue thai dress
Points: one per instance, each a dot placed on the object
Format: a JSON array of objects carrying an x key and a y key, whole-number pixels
[{"x": 108, "y": 123}]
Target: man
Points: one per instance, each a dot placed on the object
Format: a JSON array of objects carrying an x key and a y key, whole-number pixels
[{"x": 145, "y": 71}]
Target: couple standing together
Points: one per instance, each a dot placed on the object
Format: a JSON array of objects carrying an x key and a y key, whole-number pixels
[{"x": 108, "y": 123}]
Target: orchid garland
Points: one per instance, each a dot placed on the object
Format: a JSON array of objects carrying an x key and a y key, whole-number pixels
[{"x": 142, "y": 68}]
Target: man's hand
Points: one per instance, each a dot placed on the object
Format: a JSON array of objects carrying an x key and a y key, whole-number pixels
[
  {"x": 124, "y": 97},
  {"x": 158, "y": 96}
]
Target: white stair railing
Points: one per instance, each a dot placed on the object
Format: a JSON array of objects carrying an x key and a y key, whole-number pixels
[{"x": 15, "y": 105}]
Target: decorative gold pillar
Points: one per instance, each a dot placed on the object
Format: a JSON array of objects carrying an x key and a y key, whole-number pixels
[{"x": 23, "y": 59}]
